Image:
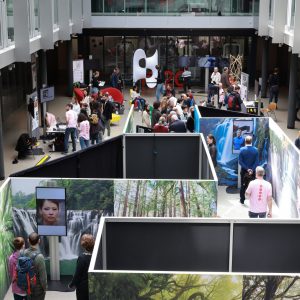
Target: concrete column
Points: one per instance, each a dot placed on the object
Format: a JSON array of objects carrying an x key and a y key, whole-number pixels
[
  {"x": 252, "y": 61},
  {"x": 292, "y": 92},
  {"x": 2, "y": 172},
  {"x": 70, "y": 68},
  {"x": 264, "y": 68}
]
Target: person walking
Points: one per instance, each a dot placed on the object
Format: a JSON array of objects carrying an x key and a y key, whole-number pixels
[
  {"x": 248, "y": 160},
  {"x": 84, "y": 131},
  {"x": 19, "y": 244},
  {"x": 225, "y": 79},
  {"x": 71, "y": 122},
  {"x": 259, "y": 193},
  {"x": 274, "y": 85},
  {"x": 38, "y": 290},
  {"x": 107, "y": 113}
]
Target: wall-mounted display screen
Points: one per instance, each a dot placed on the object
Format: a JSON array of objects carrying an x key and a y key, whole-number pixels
[
  {"x": 51, "y": 211},
  {"x": 241, "y": 129}
]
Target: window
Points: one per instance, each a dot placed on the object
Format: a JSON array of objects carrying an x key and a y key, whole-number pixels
[
  {"x": 10, "y": 20},
  {"x": 55, "y": 13},
  {"x": 271, "y": 10}
]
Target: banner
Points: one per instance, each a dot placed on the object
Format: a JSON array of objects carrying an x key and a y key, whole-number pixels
[
  {"x": 244, "y": 86},
  {"x": 78, "y": 71}
]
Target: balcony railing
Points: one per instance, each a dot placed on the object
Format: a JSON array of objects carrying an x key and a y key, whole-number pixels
[{"x": 175, "y": 7}]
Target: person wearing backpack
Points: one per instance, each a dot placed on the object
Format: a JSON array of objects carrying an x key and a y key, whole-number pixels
[
  {"x": 233, "y": 100},
  {"x": 19, "y": 244},
  {"x": 38, "y": 289}
]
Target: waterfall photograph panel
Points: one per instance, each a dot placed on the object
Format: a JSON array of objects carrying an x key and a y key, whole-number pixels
[
  {"x": 227, "y": 159},
  {"x": 86, "y": 201}
]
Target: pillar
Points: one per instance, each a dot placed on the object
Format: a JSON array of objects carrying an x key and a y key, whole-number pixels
[
  {"x": 292, "y": 92},
  {"x": 252, "y": 61},
  {"x": 70, "y": 68},
  {"x": 2, "y": 173},
  {"x": 264, "y": 68}
]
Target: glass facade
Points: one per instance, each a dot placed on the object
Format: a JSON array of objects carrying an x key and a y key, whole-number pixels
[
  {"x": 292, "y": 14},
  {"x": 10, "y": 20},
  {"x": 271, "y": 10},
  {"x": 55, "y": 13},
  {"x": 174, "y": 53},
  {"x": 175, "y": 7}
]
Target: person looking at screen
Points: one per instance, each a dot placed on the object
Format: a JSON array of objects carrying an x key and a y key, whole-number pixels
[
  {"x": 48, "y": 212},
  {"x": 238, "y": 141},
  {"x": 80, "y": 278}
]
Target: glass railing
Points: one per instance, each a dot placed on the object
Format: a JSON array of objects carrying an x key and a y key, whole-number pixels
[{"x": 175, "y": 7}]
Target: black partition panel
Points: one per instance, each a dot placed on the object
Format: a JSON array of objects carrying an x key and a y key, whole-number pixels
[
  {"x": 104, "y": 160},
  {"x": 270, "y": 248},
  {"x": 222, "y": 113},
  {"x": 167, "y": 247},
  {"x": 162, "y": 157}
]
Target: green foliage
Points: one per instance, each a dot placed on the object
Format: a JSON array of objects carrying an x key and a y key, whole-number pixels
[
  {"x": 158, "y": 198},
  {"x": 164, "y": 286},
  {"x": 6, "y": 237}
]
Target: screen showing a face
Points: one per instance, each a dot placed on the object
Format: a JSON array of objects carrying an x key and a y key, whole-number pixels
[
  {"x": 51, "y": 211},
  {"x": 241, "y": 129}
]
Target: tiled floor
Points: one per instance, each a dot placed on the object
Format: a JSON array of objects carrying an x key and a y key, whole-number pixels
[{"x": 229, "y": 206}]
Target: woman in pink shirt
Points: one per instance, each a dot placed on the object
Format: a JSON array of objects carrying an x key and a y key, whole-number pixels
[
  {"x": 84, "y": 131},
  {"x": 19, "y": 245}
]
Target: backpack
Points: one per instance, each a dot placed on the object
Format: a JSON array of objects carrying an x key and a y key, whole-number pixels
[
  {"x": 25, "y": 272},
  {"x": 232, "y": 104}
]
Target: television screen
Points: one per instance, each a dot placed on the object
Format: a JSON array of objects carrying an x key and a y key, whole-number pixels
[
  {"x": 47, "y": 94},
  {"x": 51, "y": 211},
  {"x": 207, "y": 62},
  {"x": 241, "y": 129}
]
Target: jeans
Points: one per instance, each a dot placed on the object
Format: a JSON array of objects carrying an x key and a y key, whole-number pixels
[
  {"x": 96, "y": 137},
  {"x": 67, "y": 134},
  {"x": 159, "y": 90},
  {"x": 186, "y": 83},
  {"x": 84, "y": 143},
  {"x": 257, "y": 215},
  {"x": 212, "y": 90},
  {"x": 141, "y": 103},
  {"x": 274, "y": 91},
  {"x": 18, "y": 297},
  {"x": 106, "y": 125}
]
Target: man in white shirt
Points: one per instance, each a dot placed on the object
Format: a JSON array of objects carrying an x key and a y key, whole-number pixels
[
  {"x": 71, "y": 122},
  {"x": 213, "y": 87}
]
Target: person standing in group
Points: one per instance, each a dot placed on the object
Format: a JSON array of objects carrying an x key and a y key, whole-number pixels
[
  {"x": 84, "y": 131},
  {"x": 80, "y": 279},
  {"x": 160, "y": 83},
  {"x": 186, "y": 76},
  {"x": 156, "y": 114},
  {"x": 71, "y": 123},
  {"x": 213, "y": 87},
  {"x": 259, "y": 193},
  {"x": 274, "y": 85},
  {"x": 19, "y": 244},
  {"x": 38, "y": 292},
  {"x": 95, "y": 82},
  {"x": 297, "y": 141},
  {"x": 116, "y": 79},
  {"x": 221, "y": 96},
  {"x": 225, "y": 79},
  {"x": 248, "y": 160},
  {"x": 211, "y": 141},
  {"x": 106, "y": 116},
  {"x": 146, "y": 116}
]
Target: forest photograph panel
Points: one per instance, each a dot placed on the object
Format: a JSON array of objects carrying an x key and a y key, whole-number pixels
[
  {"x": 164, "y": 286},
  {"x": 160, "y": 198}
]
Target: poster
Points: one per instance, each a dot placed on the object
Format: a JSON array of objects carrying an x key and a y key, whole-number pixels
[
  {"x": 244, "y": 86},
  {"x": 78, "y": 71},
  {"x": 35, "y": 119}
]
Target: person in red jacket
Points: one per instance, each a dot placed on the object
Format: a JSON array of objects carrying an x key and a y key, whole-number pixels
[{"x": 161, "y": 126}]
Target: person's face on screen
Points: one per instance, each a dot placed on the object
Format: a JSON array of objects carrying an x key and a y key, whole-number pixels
[
  {"x": 238, "y": 133},
  {"x": 49, "y": 212}
]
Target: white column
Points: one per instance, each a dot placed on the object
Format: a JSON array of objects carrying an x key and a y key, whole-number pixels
[
  {"x": 296, "y": 45},
  {"x": 77, "y": 16},
  {"x": 280, "y": 15},
  {"x": 87, "y": 13},
  {"x": 263, "y": 18},
  {"x": 21, "y": 31},
  {"x": 46, "y": 24},
  {"x": 64, "y": 19}
]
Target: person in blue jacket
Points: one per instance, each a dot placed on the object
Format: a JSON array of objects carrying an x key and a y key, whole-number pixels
[
  {"x": 248, "y": 160},
  {"x": 238, "y": 141}
]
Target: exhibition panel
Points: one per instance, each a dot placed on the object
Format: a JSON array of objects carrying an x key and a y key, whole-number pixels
[
  {"x": 225, "y": 131},
  {"x": 155, "y": 151},
  {"x": 6, "y": 235},
  {"x": 283, "y": 172},
  {"x": 104, "y": 160},
  {"x": 165, "y": 198},
  {"x": 210, "y": 112},
  {"x": 159, "y": 262}
]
